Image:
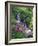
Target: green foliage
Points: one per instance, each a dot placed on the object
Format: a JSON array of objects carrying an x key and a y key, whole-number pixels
[
  {"x": 16, "y": 34},
  {"x": 25, "y": 14}
]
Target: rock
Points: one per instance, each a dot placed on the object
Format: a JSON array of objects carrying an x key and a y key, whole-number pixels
[{"x": 28, "y": 33}]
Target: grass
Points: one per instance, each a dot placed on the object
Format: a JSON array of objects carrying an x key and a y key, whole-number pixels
[{"x": 16, "y": 35}]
